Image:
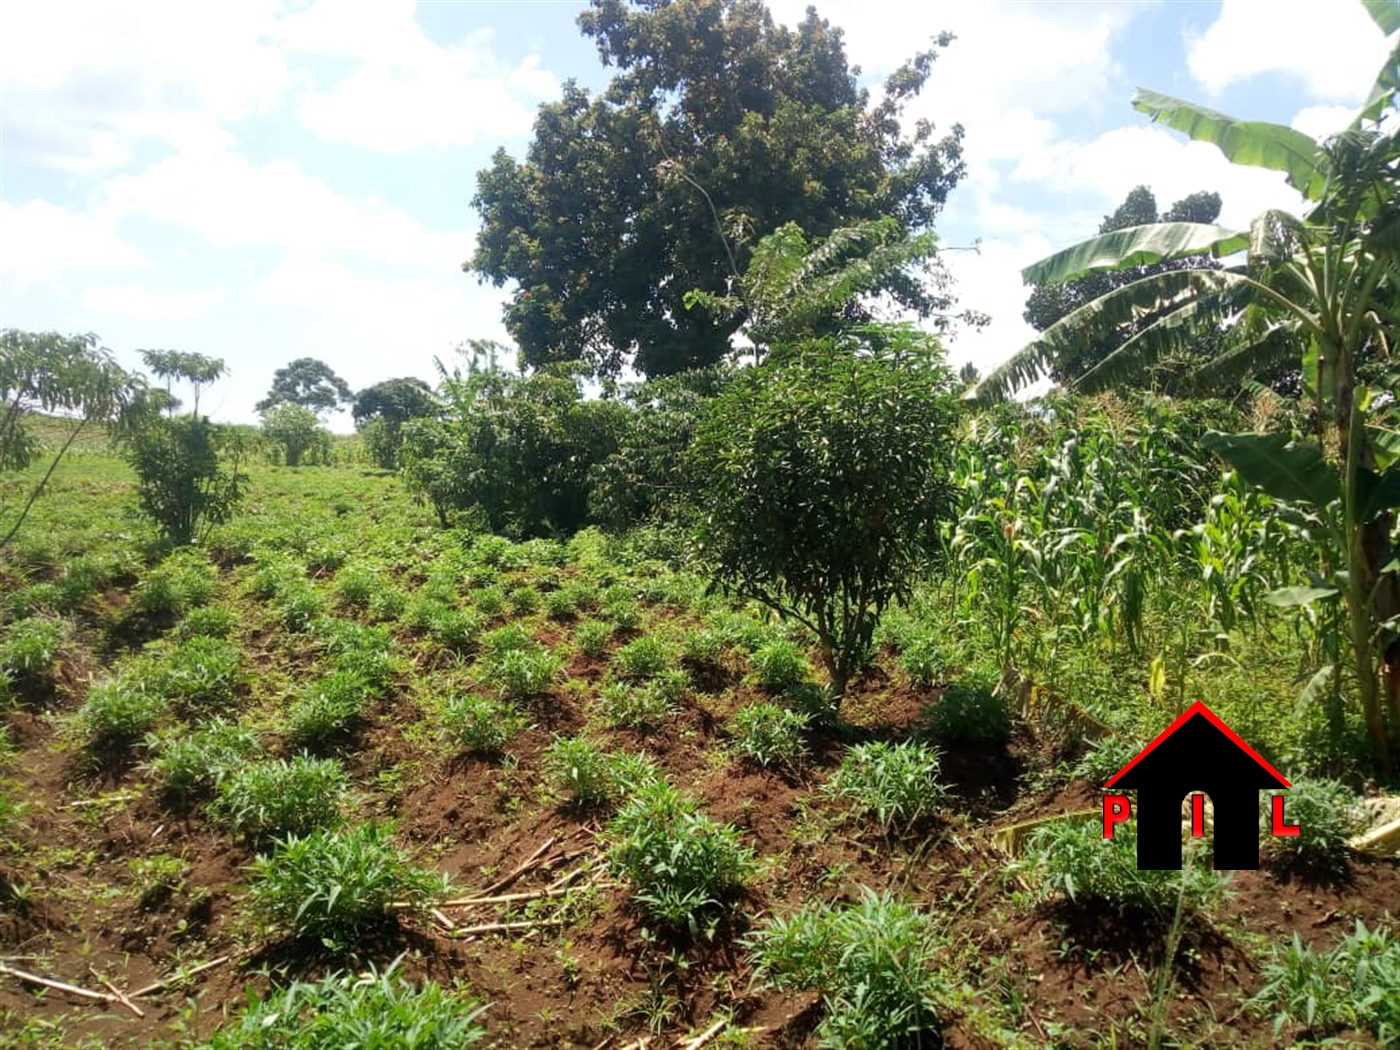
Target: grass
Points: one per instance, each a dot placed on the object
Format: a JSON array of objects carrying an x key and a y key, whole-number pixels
[
  {"x": 894, "y": 785},
  {"x": 278, "y": 797}
]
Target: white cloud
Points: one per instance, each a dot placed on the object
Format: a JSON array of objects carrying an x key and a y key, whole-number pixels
[
  {"x": 990, "y": 280},
  {"x": 41, "y": 244},
  {"x": 1321, "y": 121},
  {"x": 233, "y": 203},
  {"x": 139, "y": 301},
  {"x": 1334, "y": 49}
]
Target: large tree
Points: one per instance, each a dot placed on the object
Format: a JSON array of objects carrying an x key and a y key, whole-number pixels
[
  {"x": 718, "y": 128},
  {"x": 1050, "y": 302},
  {"x": 309, "y": 383}
]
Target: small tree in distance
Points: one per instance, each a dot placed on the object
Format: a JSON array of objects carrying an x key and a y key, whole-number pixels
[
  {"x": 296, "y": 430},
  {"x": 309, "y": 383},
  {"x": 822, "y": 476},
  {"x": 380, "y": 411}
]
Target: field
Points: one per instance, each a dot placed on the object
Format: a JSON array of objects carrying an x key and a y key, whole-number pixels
[{"x": 502, "y": 713}]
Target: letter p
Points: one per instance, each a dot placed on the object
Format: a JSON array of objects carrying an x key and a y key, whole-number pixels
[{"x": 1116, "y": 809}]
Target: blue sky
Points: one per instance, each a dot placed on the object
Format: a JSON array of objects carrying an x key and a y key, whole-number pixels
[{"x": 265, "y": 181}]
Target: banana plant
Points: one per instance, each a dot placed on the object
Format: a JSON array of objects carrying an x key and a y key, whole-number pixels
[{"x": 1323, "y": 290}]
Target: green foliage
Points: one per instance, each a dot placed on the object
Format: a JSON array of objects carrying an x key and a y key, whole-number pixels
[
  {"x": 770, "y": 736},
  {"x": 210, "y": 621},
  {"x": 380, "y": 411},
  {"x": 182, "y": 582},
  {"x": 198, "y": 370},
  {"x": 282, "y": 796},
  {"x": 188, "y": 471},
  {"x": 378, "y": 1009},
  {"x": 190, "y": 764},
  {"x": 1071, "y": 860},
  {"x": 200, "y": 675},
  {"x": 699, "y": 172},
  {"x": 527, "y": 672},
  {"x": 327, "y": 711},
  {"x": 120, "y": 711},
  {"x": 626, "y": 705},
  {"x": 589, "y": 778},
  {"x": 480, "y": 725},
  {"x": 594, "y": 637},
  {"x": 645, "y": 657},
  {"x": 876, "y": 964},
  {"x": 335, "y": 887},
  {"x": 306, "y": 383},
  {"x": 685, "y": 869},
  {"x": 1328, "y": 814},
  {"x": 923, "y": 660},
  {"x": 31, "y": 652},
  {"x": 970, "y": 712},
  {"x": 827, "y": 475},
  {"x": 895, "y": 784},
  {"x": 780, "y": 665},
  {"x": 1352, "y": 986},
  {"x": 294, "y": 430}
]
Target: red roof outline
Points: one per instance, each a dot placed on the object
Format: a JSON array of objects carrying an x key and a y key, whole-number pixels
[{"x": 1200, "y": 708}]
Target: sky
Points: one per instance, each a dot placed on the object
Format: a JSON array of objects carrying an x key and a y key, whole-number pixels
[{"x": 264, "y": 181}]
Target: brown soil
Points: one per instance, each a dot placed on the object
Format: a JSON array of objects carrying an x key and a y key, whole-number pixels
[{"x": 72, "y": 906}]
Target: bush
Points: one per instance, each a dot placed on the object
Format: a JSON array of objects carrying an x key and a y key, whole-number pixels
[
  {"x": 335, "y": 886},
  {"x": 295, "y": 431},
  {"x": 923, "y": 661},
  {"x": 300, "y": 606},
  {"x": 826, "y": 479},
  {"x": 523, "y": 600},
  {"x": 590, "y": 778},
  {"x": 374, "y": 1010},
  {"x": 327, "y": 710},
  {"x": 201, "y": 675},
  {"x": 479, "y": 725},
  {"x": 1105, "y": 758},
  {"x": 1327, "y": 815},
  {"x": 119, "y": 712},
  {"x": 770, "y": 736},
  {"x": 188, "y": 765},
  {"x": 1070, "y": 859},
  {"x": 281, "y": 796},
  {"x": 356, "y": 585},
  {"x": 524, "y": 673},
  {"x": 30, "y": 652},
  {"x": 365, "y": 652},
  {"x": 593, "y": 637},
  {"x": 685, "y": 868},
  {"x": 211, "y": 621},
  {"x": 875, "y": 964},
  {"x": 896, "y": 784},
  {"x": 1352, "y": 986},
  {"x": 645, "y": 657},
  {"x": 970, "y": 713},
  {"x": 780, "y": 665},
  {"x": 187, "y": 474},
  {"x": 559, "y": 604},
  {"x": 625, "y": 705},
  {"x": 182, "y": 582},
  {"x": 452, "y": 628}
]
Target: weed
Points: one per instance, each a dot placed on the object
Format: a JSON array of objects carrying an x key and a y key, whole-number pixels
[
  {"x": 896, "y": 784},
  {"x": 356, "y": 585},
  {"x": 593, "y": 637},
  {"x": 335, "y": 886},
  {"x": 30, "y": 652},
  {"x": 875, "y": 964},
  {"x": 209, "y": 621},
  {"x": 523, "y": 600},
  {"x": 589, "y": 778},
  {"x": 327, "y": 710},
  {"x": 188, "y": 765},
  {"x": 119, "y": 712},
  {"x": 780, "y": 665},
  {"x": 645, "y": 657},
  {"x": 1327, "y": 815},
  {"x": 770, "y": 736},
  {"x": 524, "y": 673},
  {"x": 970, "y": 712},
  {"x": 182, "y": 582},
  {"x": 277, "y": 797},
  {"x": 922, "y": 660},
  {"x": 479, "y": 725},
  {"x": 201, "y": 675},
  {"x": 489, "y": 601},
  {"x": 686, "y": 869}
]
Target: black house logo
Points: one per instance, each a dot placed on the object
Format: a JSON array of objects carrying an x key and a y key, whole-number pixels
[{"x": 1196, "y": 753}]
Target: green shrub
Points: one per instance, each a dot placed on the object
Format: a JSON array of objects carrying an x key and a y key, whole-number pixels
[
  {"x": 895, "y": 784},
  {"x": 524, "y": 673},
  {"x": 686, "y": 870},
  {"x": 770, "y": 736},
  {"x": 622, "y": 609},
  {"x": 281, "y": 796},
  {"x": 970, "y": 713},
  {"x": 275, "y": 575},
  {"x": 1105, "y": 758},
  {"x": 119, "y": 712},
  {"x": 452, "y": 628},
  {"x": 645, "y": 657},
  {"x": 327, "y": 710},
  {"x": 379, "y": 1010},
  {"x": 188, "y": 476},
  {"x": 704, "y": 646},
  {"x": 300, "y": 606},
  {"x": 510, "y": 638},
  {"x": 389, "y": 602},
  {"x": 201, "y": 675},
  {"x": 589, "y": 778},
  {"x": 559, "y": 605},
  {"x": 594, "y": 637},
  {"x": 489, "y": 601},
  {"x": 1327, "y": 814},
  {"x": 356, "y": 585},
  {"x": 922, "y": 660},
  {"x": 363, "y": 651},
  {"x": 779, "y": 665},
  {"x": 875, "y": 963},
  {"x": 480, "y": 725},
  {"x": 523, "y": 600},
  {"x": 625, "y": 705},
  {"x": 190, "y": 764},
  {"x": 1355, "y": 985},
  {"x": 1070, "y": 859},
  {"x": 182, "y": 582},
  {"x": 210, "y": 621},
  {"x": 334, "y": 886},
  {"x": 30, "y": 653}
]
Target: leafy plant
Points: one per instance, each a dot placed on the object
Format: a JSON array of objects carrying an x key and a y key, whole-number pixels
[
  {"x": 282, "y": 796},
  {"x": 376, "y": 1009},
  {"x": 209, "y": 621},
  {"x": 626, "y": 705},
  {"x": 480, "y": 725},
  {"x": 970, "y": 712},
  {"x": 589, "y": 777},
  {"x": 1327, "y": 815},
  {"x": 895, "y": 784},
  {"x": 293, "y": 430},
  {"x": 187, "y": 765},
  {"x": 686, "y": 869},
  {"x": 188, "y": 474},
  {"x": 779, "y": 665},
  {"x": 30, "y": 653},
  {"x": 645, "y": 657},
  {"x": 118, "y": 712},
  {"x": 334, "y": 886},
  {"x": 1352, "y": 986},
  {"x": 923, "y": 660},
  {"x": 876, "y": 964},
  {"x": 327, "y": 710},
  {"x": 768, "y": 735},
  {"x": 182, "y": 582},
  {"x": 524, "y": 673},
  {"x": 593, "y": 637},
  {"x": 201, "y": 675}
]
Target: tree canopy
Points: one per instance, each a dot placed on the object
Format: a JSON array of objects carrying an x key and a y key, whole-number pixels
[
  {"x": 199, "y": 370},
  {"x": 396, "y": 400},
  {"x": 718, "y": 128},
  {"x": 309, "y": 383}
]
